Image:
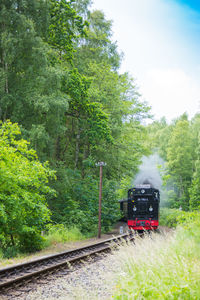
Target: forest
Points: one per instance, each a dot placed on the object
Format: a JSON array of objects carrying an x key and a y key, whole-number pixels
[{"x": 64, "y": 106}]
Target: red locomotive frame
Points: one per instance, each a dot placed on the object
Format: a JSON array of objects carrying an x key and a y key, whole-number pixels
[{"x": 143, "y": 224}]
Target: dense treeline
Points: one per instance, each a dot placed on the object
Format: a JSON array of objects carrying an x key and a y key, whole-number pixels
[
  {"x": 178, "y": 144},
  {"x": 60, "y": 81}
]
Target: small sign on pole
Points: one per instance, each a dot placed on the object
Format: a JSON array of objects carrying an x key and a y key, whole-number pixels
[{"x": 121, "y": 229}]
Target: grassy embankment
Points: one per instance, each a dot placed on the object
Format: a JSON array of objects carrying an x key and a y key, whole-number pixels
[
  {"x": 163, "y": 267},
  {"x": 54, "y": 240},
  {"x": 57, "y": 238}
]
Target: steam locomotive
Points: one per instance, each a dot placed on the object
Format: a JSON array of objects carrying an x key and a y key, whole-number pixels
[{"x": 141, "y": 209}]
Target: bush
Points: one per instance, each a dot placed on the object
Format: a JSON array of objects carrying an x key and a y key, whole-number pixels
[
  {"x": 169, "y": 217},
  {"x": 24, "y": 187},
  {"x": 173, "y": 217},
  {"x": 31, "y": 242},
  {"x": 10, "y": 252}
]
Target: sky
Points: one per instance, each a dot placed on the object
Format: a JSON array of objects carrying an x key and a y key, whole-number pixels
[{"x": 160, "y": 40}]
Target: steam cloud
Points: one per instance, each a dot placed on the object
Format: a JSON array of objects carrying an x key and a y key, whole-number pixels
[{"x": 148, "y": 171}]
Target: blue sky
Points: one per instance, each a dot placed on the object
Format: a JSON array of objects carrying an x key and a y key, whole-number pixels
[
  {"x": 161, "y": 44},
  {"x": 194, "y": 4}
]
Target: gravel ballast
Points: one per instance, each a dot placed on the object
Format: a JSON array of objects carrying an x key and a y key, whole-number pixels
[{"x": 92, "y": 281}]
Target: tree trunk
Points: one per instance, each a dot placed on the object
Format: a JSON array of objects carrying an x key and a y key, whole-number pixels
[
  {"x": 6, "y": 82},
  {"x": 67, "y": 136},
  {"x": 12, "y": 240},
  {"x": 58, "y": 150},
  {"x": 4, "y": 65},
  {"x": 77, "y": 146}
]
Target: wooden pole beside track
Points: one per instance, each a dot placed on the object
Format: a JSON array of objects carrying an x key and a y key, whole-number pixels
[{"x": 100, "y": 164}]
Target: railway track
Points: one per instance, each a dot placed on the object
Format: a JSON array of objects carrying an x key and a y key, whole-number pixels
[{"x": 16, "y": 276}]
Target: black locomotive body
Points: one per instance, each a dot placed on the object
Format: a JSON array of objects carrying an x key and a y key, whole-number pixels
[{"x": 141, "y": 209}]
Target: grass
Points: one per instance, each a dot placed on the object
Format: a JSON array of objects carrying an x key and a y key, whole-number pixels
[
  {"x": 57, "y": 239},
  {"x": 60, "y": 234},
  {"x": 164, "y": 267},
  {"x": 161, "y": 267}
]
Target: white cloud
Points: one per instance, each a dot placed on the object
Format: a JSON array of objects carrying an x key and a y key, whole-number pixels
[
  {"x": 171, "y": 92},
  {"x": 160, "y": 40}
]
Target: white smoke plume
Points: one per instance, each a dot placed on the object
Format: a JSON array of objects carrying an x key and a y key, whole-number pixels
[{"x": 149, "y": 172}]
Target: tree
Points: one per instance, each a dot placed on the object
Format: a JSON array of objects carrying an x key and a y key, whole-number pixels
[
  {"x": 179, "y": 156},
  {"x": 23, "y": 190},
  {"x": 22, "y": 54},
  {"x": 120, "y": 100},
  {"x": 97, "y": 46},
  {"x": 36, "y": 37},
  {"x": 195, "y": 186},
  {"x": 65, "y": 27},
  {"x": 88, "y": 120},
  {"x": 60, "y": 83},
  {"x": 159, "y": 133}
]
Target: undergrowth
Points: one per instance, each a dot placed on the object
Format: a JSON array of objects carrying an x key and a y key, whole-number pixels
[
  {"x": 61, "y": 234},
  {"x": 162, "y": 267},
  {"x": 54, "y": 235},
  {"x": 173, "y": 217}
]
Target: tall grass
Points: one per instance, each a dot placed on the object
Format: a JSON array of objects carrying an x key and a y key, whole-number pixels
[
  {"x": 161, "y": 267},
  {"x": 60, "y": 234}
]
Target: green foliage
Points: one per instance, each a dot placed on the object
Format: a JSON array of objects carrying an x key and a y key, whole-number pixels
[
  {"x": 22, "y": 54},
  {"x": 31, "y": 92},
  {"x": 178, "y": 145},
  {"x": 23, "y": 190},
  {"x": 30, "y": 240},
  {"x": 65, "y": 26},
  {"x": 93, "y": 118},
  {"x": 77, "y": 201},
  {"x": 168, "y": 270},
  {"x": 179, "y": 157},
  {"x": 60, "y": 234},
  {"x": 175, "y": 217},
  {"x": 10, "y": 251},
  {"x": 194, "y": 193},
  {"x": 159, "y": 133},
  {"x": 119, "y": 99},
  {"x": 97, "y": 46},
  {"x": 125, "y": 184},
  {"x": 59, "y": 81},
  {"x": 170, "y": 217},
  {"x": 195, "y": 186}
]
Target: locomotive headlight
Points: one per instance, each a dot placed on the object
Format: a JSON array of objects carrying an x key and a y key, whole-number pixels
[
  {"x": 150, "y": 208},
  {"x": 134, "y": 208}
]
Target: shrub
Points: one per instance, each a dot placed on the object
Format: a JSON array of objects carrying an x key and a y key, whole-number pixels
[
  {"x": 24, "y": 187},
  {"x": 169, "y": 217},
  {"x": 10, "y": 251},
  {"x": 173, "y": 217},
  {"x": 31, "y": 242}
]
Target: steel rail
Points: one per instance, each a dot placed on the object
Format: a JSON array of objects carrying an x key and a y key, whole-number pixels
[{"x": 20, "y": 273}]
